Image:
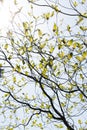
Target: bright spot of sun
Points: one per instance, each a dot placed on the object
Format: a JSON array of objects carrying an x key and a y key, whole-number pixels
[{"x": 4, "y": 15}]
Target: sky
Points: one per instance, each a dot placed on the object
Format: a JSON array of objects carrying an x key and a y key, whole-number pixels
[{"x": 7, "y": 11}]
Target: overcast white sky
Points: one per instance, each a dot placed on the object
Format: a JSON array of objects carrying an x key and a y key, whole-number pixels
[{"x": 6, "y": 16}]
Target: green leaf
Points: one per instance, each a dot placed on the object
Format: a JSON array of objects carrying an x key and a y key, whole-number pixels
[
  {"x": 61, "y": 54},
  {"x": 49, "y": 115},
  {"x": 68, "y": 28},
  {"x": 79, "y": 58},
  {"x": 81, "y": 76},
  {"x": 70, "y": 55},
  {"x": 80, "y": 20},
  {"x": 74, "y": 45},
  {"x": 84, "y": 54},
  {"x": 14, "y": 79},
  {"x": 81, "y": 96},
  {"x": 86, "y": 122},
  {"x": 31, "y": 39},
  {"x": 26, "y": 73},
  {"x": 51, "y": 49},
  {"x": 55, "y": 27},
  {"x": 83, "y": 1},
  {"x": 83, "y": 28},
  {"x": 75, "y": 3},
  {"x": 25, "y": 25},
  {"x": 70, "y": 42},
  {"x": 39, "y": 33},
  {"x": 0, "y": 65},
  {"x": 6, "y": 46},
  {"x": 79, "y": 121},
  {"x": 18, "y": 68},
  {"x": 42, "y": 45},
  {"x": 30, "y": 48},
  {"x": 59, "y": 126},
  {"x": 55, "y": 7},
  {"x": 44, "y": 72},
  {"x": 40, "y": 125},
  {"x": 15, "y": 2},
  {"x": 48, "y": 15},
  {"x": 11, "y": 129}
]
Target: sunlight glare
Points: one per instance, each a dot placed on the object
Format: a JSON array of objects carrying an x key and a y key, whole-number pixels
[{"x": 4, "y": 15}]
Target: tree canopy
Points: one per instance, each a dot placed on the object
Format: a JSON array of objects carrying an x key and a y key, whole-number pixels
[{"x": 43, "y": 58}]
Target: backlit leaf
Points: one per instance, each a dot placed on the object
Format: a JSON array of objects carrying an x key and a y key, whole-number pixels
[
  {"x": 0, "y": 65},
  {"x": 70, "y": 42},
  {"x": 59, "y": 125},
  {"x": 55, "y": 27},
  {"x": 83, "y": 28},
  {"x": 42, "y": 45},
  {"x": 39, "y": 33},
  {"x": 49, "y": 115},
  {"x": 84, "y": 54},
  {"x": 75, "y": 3},
  {"x": 79, "y": 121},
  {"x": 80, "y": 20},
  {"x": 83, "y": 1},
  {"x": 25, "y": 25},
  {"x": 6, "y": 46},
  {"x": 70, "y": 55},
  {"x": 68, "y": 28},
  {"x": 30, "y": 48},
  {"x": 51, "y": 49},
  {"x": 81, "y": 96},
  {"x": 14, "y": 79}
]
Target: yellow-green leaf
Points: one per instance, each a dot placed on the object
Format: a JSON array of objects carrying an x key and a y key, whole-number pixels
[
  {"x": 75, "y": 66},
  {"x": 59, "y": 125},
  {"x": 6, "y": 94},
  {"x": 86, "y": 122},
  {"x": 44, "y": 72},
  {"x": 15, "y": 2},
  {"x": 25, "y": 25},
  {"x": 79, "y": 58},
  {"x": 26, "y": 73},
  {"x": 14, "y": 79},
  {"x": 74, "y": 45},
  {"x": 42, "y": 45},
  {"x": 84, "y": 54},
  {"x": 70, "y": 56},
  {"x": 51, "y": 49},
  {"x": 68, "y": 28},
  {"x": 70, "y": 42},
  {"x": 11, "y": 129},
  {"x": 49, "y": 115},
  {"x": 80, "y": 20},
  {"x": 55, "y": 8},
  {"x": 40, "y": 125},
  {"x": 18, "y": 68},
  {"x": 81, "y": 96},
  {"x": 55, "y": 27},
  {"x": 40, "y": 33},
  {"x": 83, "y": 28},
  {"x": 42, "y": 105},
  {"x": 79, "y": 121},
  {"x": 50, "y": 62},
  {"x": 81, "y": 76},
  {"x": 6, "y": 46},
  {"x": 75, "y": 3},
  {"x": 83, "y": 1},
  {"x": 31, "y": 39},
  {"x": 47, "y": 16},
  {"x": 61, "y": 54},
  {"x": 0, "y": 65},
  {"x": 30, "y": 48}
]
